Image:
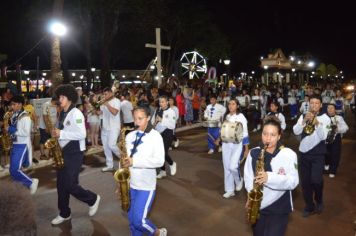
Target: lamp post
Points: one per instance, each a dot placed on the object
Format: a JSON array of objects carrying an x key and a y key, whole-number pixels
[
  {"x": 266, "y": 68},
  {"x": 57, "y": 30},
  {"x": 227, "y": 63}
]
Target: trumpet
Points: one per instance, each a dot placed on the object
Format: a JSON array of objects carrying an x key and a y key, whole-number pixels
[{"x": 309, "y": 126}]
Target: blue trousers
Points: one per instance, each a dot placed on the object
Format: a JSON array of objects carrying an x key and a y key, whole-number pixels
[
  {"x": 271, "y": 225},
  {"x": 141, "y": 202},
  {"x": 18, "y": 159},
  {"x": 293, "y": 110},
  {"x": 214, "y": 133}
]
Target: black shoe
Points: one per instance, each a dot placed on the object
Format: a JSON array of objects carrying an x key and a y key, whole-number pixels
[
  {"x": 306, "y": 213},
  {"x": 34, "y": 160},
  {"x": 319, "y": 208}
]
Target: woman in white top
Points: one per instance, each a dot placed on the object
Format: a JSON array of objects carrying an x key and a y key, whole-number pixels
[
  {"x": 232, "y": 152},
  {"x": 145, "y": 149},
  {"x": 94, "y": 120}
]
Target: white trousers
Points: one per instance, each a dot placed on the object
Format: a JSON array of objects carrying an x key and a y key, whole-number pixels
[
  {"x": 231, "y": 153},
  {"x": 109, "y": 140}
]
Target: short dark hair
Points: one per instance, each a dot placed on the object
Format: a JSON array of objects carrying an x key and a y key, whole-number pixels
[
  {"x": 68, "y": 91},
  {"x": 213, "y": 95},
  {"x": 107, "y": 89},
  {"x": 272, "y": 120},
  {"x": 315, "y": 96},
  {"x": 145, "y": 109},
  {"x": 18, "y": 99},
  {"x": 275, "y": 102}
]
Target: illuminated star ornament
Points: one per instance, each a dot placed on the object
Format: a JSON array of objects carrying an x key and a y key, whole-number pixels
[{"x": 193, "y": 64}]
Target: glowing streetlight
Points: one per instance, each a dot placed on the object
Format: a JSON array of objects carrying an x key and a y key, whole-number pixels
[
  {"x": 227, "y": 62},
  {"x": 311, "y": 64},
  {"x": 58, "y": 29},
  {"x": 92, "y": 69}
]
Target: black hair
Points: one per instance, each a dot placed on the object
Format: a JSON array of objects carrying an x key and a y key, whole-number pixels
[
  {"x": 315, "y": 96},
  {"x": 18, "y": 99},
  {"x": 145, "y": 109},
  {"x": 275, "y": 102},
  {"x": 107, "y": 89},
  {"x": 68, "y": 91},
  {"x": 238, "y": 107},
  {"x": 274, "y": 121},
  {"x": 213, "y": 95},
  {"x": 164, "y": 97}
]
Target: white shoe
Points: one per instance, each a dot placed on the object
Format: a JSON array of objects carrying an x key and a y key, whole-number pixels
[
  {"x": 34, "y": 185},
  {"x": 258, "y": 127},
  {"x": 176, "y": 143},
  {"x": 107, "y": 169},
  {"x": 326, "y": 167},
  {"x": 331, "y": 175},
  {"x": 162, "y": 173},
  {"x": 228, "y": 194},
  {"x": 211, "y": 151},
  {"x": 173, "y": 168},
  {"x": 163, "y": 232},
  {"x": 254, "y": 130},
  {"x": 94, "y": 208},
  {"x": 240, "y": 185},
  {"x": 59, "y": 220},
  {"x": 170, "y": 149},
  {"x": 220, "y": 149}
]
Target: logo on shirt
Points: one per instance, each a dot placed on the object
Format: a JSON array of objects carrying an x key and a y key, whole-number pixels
[
  {"x": 281, "y": 171},
  {"x": 79, "y": 121},
  {"x": 68, "y": 123}
]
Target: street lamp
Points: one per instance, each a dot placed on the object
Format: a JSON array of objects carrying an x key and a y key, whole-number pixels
[
  {"x": 266, "y": 68},
  {"x": 227, "y": 63},
  {"x": 57, "y": 29}
]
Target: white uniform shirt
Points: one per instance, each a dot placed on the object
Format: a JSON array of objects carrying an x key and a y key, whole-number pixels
[
  {"x": 304, "y": 108},
  {"x": 23, "y": 133},
  {"x": 126, "y": 108},
  {"x": 148, "y": 156},
  {"x": 52, "y": 114},
  {"x": 110, "y": 121},
  {"x": 284, "y": 176},
  {"x": 342, "y": 127},
  {"x": 327, "y": 95},
  {"x": 320, "y": 133},
  {"x": 213, "y": 113},
  {"x": 281, "y": 118},
  {"x": 292, "y": 96},
  {"x": 168, "y": 121},
  {"x": 176, "y": 111},
  {"x": 73, "y": 129}
]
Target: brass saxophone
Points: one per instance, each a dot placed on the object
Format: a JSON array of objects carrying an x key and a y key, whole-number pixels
[
  {"x": 122, "y": 175},
  {"x": 332, "y": 132},
  {"x": 255, "y": 195},
  {"x": 5, "y": 138},
  {"x": 53, "y": 145}
]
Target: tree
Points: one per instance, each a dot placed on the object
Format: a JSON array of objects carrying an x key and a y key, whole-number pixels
[{"x": 324, "y": 70}]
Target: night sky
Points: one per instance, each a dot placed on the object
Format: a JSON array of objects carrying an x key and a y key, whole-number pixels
[{"x": 325, "y": 30}]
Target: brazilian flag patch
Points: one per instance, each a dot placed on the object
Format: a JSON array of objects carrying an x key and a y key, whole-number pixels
[
  {"x": 79, "y": 121},
  {"x": 296, "y": 166}
]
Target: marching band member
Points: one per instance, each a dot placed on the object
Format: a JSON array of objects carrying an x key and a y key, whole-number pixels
[
  {"x": 71, "y": 137},
  {"x": 292, "y": 101},
  {"x": 255, "y": 106},
  {"x": 304, "y": 107},
  {"x": 279, "y": 178},
  {"x": 165, "y": 120},
  {"x": 21, "y": 153},
  {"x": 171, "y": 101},
  {"x": 337, "y": 128},
  {"x": 312, "y": 150},
  {"x": 327, "y": 95},
  {"x": 146, "y": 150},
  {"x": 213, "y": 112},
  {"x": 274, "y": 111},
  {"x": 339, "y": 103},
  {"x": 232, "y": 152},
  {"x": 110, "y": 129}
]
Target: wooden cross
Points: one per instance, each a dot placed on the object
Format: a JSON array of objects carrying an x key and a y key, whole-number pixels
[{"x": 158, "y": 48}]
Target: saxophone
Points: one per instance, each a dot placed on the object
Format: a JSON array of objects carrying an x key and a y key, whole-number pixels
[
  {"x": 122, "y": 175},
  {"x": 255, "y": 195},
  {"x": 332, "y": 133},
  {"x": 5, "y": 138},
  {"x": 53, "y": 145}
]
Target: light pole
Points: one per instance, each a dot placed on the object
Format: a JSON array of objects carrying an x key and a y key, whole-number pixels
[
  {"x": 227, "y": 63},
  {"x": 58, "y": 30}
]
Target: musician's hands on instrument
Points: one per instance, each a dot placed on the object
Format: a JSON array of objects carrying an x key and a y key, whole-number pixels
[
  {"x": 247, "y": 205},
  {"x": 55, "y": 133},
  {"x": 127, "y": 162},
  {"x": 261, "y": 178}
]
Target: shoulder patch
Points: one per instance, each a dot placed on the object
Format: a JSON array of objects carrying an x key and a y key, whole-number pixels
[
  {"x": 296, "y": 166},
  {"x": 78, "y": 121}
]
